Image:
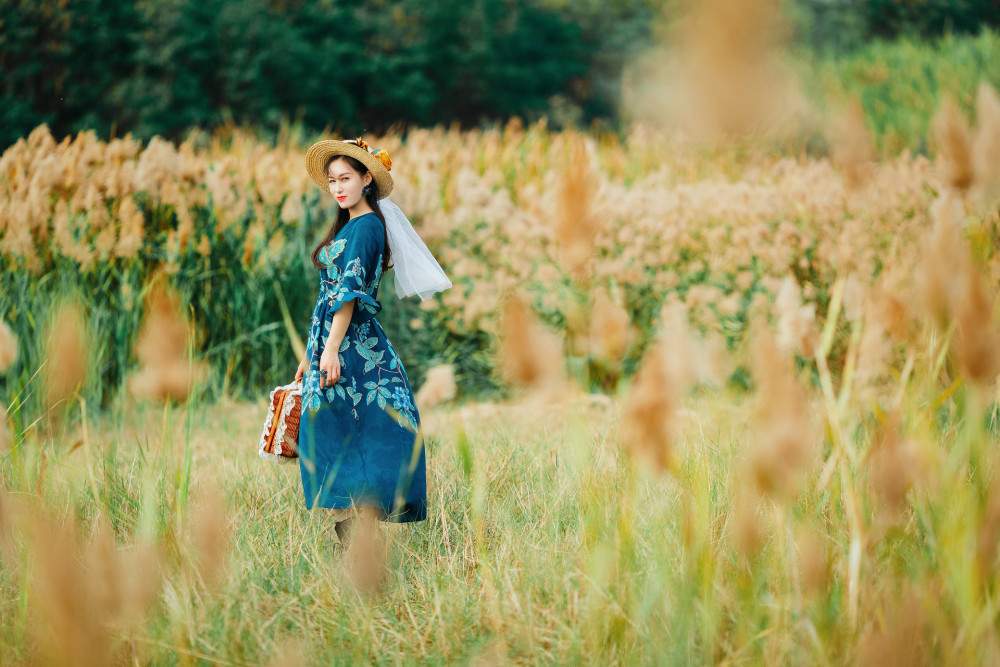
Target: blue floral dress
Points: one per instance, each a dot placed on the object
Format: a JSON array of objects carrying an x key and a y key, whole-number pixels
[{"x": 357, "y": 439}]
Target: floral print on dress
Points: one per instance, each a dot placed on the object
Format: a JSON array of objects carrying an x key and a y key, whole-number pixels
[{"x": 371, "y": 372}]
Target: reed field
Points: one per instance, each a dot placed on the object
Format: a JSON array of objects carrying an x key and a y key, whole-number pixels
[{"x": 685, "y": 403}]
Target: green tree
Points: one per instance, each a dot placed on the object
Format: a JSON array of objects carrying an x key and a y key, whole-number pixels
[
  {"x": 166, "y": 66},
  {"x": 64, "y": 62}
]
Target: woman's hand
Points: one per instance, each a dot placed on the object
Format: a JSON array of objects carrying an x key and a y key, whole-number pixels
[
  {"x": 302, "y": 369},
  {"x": 330, "y": 363}
]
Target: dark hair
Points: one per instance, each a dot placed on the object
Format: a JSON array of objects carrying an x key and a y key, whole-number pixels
[{"x": 343, "y": 215}]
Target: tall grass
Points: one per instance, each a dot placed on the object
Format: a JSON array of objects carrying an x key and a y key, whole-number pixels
[
  {"x": 791, "y": 457},
  {"x": 230, "y": 221},
  {"x": 544, "y": 545},
  {"x": 901, "y": 83}
]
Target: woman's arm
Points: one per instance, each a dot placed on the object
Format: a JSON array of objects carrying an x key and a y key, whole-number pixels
[
  {"x": 330, "y": 361},
  {"x": 341, "y": 320}
]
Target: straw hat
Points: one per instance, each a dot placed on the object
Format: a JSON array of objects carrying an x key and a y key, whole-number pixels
[{"x": 377, "y": 161}]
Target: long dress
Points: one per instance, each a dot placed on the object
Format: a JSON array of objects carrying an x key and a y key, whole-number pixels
[{"x": 358, "y": 439}]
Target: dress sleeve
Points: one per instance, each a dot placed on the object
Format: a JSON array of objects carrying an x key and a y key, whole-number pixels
[{"x": 360, "y": 270}]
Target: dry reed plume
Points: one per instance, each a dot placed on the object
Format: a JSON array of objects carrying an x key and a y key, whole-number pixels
[
  {"x": 691, "y": 359},
  {"x": 165, "y": 372},
  {"x": 955, "y": 291},
  {"x": 577, "y": 222},
  {"x": 902, "y": 634},
  {"x": 745, "y": 532},
  {"x": 740, "y": 223},
  {"x": 968, "y": 158},
  {"x": 86, "y": 592},
  {"x": 8, "y": 553},
  {"x": 892, "y": 468},
  {"x": 289, "y": 654},
  {"x": 988, "y": 537},
  {"x": 8, "y": 347},
  {"x": 439, "y": 387},
  {"x": 986, "y": 144},
  {"x": 954, "y": 143},
  {"x": 797, "y": 330},
  {"x": 210, "y": 534},
  {"x": 609, "y": 329},
  {"x": 722, "y": 74},
  {"x": 647, "y": 427},
  {"x": 66, "y": 354},
  {"x": 814, "y": 562},
  {"x": 365, "y": 558},
  {"x": 530, "y": 355},
  {"x": 784, "y": 443},
  {"x": 853, "y": 147},
  {"x": 5, "y": 435}
]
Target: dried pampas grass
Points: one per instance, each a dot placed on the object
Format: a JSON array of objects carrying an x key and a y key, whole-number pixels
[
  {"x": 900, "y": 632},
  {"x": 531, "y": 356},
  {"x": 66, "y": 354},
  {"x": 986, "y": 144},
  {"x": 785, "y": 443},
  {"x": 438, "y": 387},
  {"x": 366, "y": 555},
  {"x": 577, "y": 223},
  {"x": 165, "y": 371},
  {"x": 5, "y": 437},
  {"x": 745, "y": 532},
  {"x": 691, "y": 359},
  {"x": 892, "y": 469},
  {"x": 720, "y": 73},
  {"x": 210, "y": 533},
  {"x": 87, "y": 592},
  {"x": 8, "y": 347},
  {"x": 647, "y": 430},
  {"x": 853, "y": 147},
  {"x": 814, "y": 562},
  {"x": 988, "y": 537},
  {"x": 954, "y": 290},
  {"x": 609, "y": 330},
  {"x": 954, "y": 146},
  {"x": 797, "y": 330}
]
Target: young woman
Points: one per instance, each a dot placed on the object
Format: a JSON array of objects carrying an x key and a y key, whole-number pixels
[{"x": 359, "y": 442}]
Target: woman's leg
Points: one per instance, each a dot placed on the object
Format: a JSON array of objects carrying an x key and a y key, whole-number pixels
[
  {"x": 340, "y": 516},
  {"x": 343, "y": 528}
]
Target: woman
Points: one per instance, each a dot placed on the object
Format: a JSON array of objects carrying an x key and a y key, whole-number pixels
[{"x": 359, "y": 435}]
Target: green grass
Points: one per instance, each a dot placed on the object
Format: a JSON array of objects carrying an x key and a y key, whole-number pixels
[
  {"x": 545, "y": 544},
  {"x": 902, "y": 83},
  {"x": 527, "y": 552}
]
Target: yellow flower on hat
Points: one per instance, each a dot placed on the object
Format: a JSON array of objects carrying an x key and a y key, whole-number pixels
[{"x": 383, "y": 157}]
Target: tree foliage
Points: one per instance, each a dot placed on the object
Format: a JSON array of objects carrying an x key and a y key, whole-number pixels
[
  {"x": 840, "y": 25},
  {"x": 164, "y": 67}
]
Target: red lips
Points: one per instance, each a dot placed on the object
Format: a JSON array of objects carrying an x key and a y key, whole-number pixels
[{"x": 342, "y": 198}]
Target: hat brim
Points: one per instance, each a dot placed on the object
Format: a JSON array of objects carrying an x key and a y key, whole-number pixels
[{"x": 321, "y": 151}]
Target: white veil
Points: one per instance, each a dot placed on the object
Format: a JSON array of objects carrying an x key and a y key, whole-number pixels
[{"x": 417, "y": 272}]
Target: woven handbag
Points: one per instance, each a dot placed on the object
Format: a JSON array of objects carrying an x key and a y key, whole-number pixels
[{"x": 279, "y": 441}]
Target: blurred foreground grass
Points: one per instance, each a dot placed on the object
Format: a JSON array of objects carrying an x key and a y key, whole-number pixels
[
  {"x": 833, "y": 500},
  {"x": 545, "y": 544}
]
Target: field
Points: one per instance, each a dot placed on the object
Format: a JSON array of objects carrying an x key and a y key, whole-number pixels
[{"x": 683, "y": 405}]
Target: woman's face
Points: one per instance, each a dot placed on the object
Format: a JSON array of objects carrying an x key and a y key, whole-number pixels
[{"x": 346, "y": 183}]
